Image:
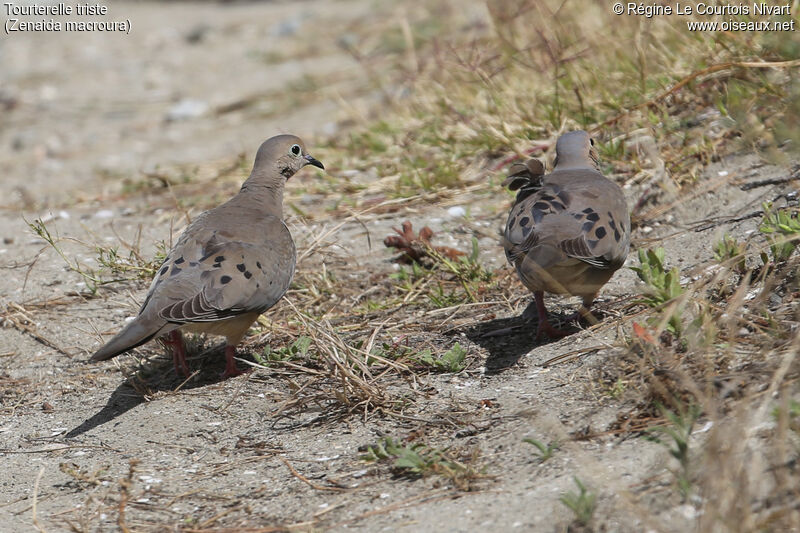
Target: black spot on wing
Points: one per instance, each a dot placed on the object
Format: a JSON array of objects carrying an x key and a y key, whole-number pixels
[
  {"x": 179, "y": 260},
  {"x": 616, "y": 235},
  {"x": 163, "y": 270},
  {"x": 175, "y": 270},
  {"x": 588, "y": 210},
  {"x": 219, "y": 259},
  {"x": 217, "y": 265},
  {"x": 525, "y": 192},
  {"x": 594, "y": 217},
  {"x": 225, "y": 279},
  {"x": 600, "y": 232},
  {"x": 541, "y": 206},
  {"x": 241, "y": 267},
  {"x": 258, "y": 264},
  {"x": 587, "y": 226},
  {"x": 524, "y": 221},
  {"x": 557, "y": 206},
  {"x": 248, "y": 274}
]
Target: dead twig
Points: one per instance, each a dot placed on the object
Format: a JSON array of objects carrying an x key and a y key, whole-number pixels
[
  {"x": 27, "y": 326},
  {"x": 307, "y": 481},
  {"x": 35, "y": 499}
]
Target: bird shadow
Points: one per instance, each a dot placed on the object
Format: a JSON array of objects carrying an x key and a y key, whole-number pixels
[
  {"x": 153, "y": 378},
  {"x": 508, "y": 339}
]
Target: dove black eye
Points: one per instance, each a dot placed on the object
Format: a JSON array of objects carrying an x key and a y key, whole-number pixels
[
  {"x": 295, "y": 149},
  {"x": 591, "y": 141}
]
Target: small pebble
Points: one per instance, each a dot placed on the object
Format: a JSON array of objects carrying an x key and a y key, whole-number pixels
[
  {"x": 456, "y": 211},
  {"x": 186, "y": 109}
]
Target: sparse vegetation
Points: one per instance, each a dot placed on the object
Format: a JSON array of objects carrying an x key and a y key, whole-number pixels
[
  {"x": 297, "y": 350},
  {"x": 582, "y": 503},
  {"x": 453, "y": 360},
  {"x": 417, "y": 459},
  {"x": 354, "y": 351},
  {"x": 782, "y": 229},
  {"x": 544, "y": 451},
  {"x": 131, "y": 268},
  {"x": 679, "y": 431},
  {"x": 662, "y": 287},
  {"x": 730, "y": 252}
]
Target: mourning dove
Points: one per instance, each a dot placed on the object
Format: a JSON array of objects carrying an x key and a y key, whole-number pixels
[
  {"x": 568, "y": 231},
  {"x": 231, "y": 264}
]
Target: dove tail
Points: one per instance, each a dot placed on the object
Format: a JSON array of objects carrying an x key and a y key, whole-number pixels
[{"x": 134, "y": 334}]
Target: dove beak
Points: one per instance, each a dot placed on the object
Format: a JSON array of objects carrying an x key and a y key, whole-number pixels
[{"x": 311, "y": 161}]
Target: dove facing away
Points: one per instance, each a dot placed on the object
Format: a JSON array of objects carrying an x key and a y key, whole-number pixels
[
  {"x": 231, "y": 264},
  {"x": 568, "y": 231}
]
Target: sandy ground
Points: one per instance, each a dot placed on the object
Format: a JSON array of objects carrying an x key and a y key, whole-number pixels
[{"x": 83, "y": 449}]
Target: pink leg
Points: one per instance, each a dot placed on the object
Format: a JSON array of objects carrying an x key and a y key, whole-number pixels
[
  {"x": 175, "y": 341},
  {"x": 544, "y": 325},
  {"x": 231, "y": 369}
]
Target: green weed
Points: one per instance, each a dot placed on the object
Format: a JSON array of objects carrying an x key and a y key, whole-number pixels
[
  {"x": 453, "y": 360},
  {"x": 661, "y": 286},
  {"x": 679, "y": 432},
  {"x": 731, "y": 252},
  {"x": 416, "y": 460},
  {"x": 582, "y": 503},
  {"x": 295, "y": 351},
  {"x": 131, "y": 268},
  {"x": 782, "y": 229},
  {"x": 545, "y": 451}
]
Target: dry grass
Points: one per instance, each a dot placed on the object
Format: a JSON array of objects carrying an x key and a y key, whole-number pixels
[
  {"x": 665, "y": 103},
  {"x": 466, "y": 92}
]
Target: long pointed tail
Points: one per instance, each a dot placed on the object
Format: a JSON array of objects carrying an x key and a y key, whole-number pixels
[{"x": 134, "y": 334}]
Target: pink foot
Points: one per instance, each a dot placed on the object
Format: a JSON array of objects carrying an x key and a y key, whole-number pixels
[
  {"x": 175, "y": 342},
  {"x": 545, "y": 328},
  {"x": 231, "y": 369}
]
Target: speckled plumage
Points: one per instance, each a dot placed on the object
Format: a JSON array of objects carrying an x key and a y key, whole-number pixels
[
  {"x": 568, "y": 231},
  {"x": 231, "y": 263}
]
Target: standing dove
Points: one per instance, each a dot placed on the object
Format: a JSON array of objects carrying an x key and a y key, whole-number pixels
[
  {"x": 231, "y": 264},
  {"x": 568, "y": 231}
]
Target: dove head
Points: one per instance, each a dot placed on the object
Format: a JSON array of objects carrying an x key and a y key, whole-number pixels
[
  {"x": 277, "y": 160},
  {"x": 280, "y": 157},
  {"x": 576, "y": 150}
]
